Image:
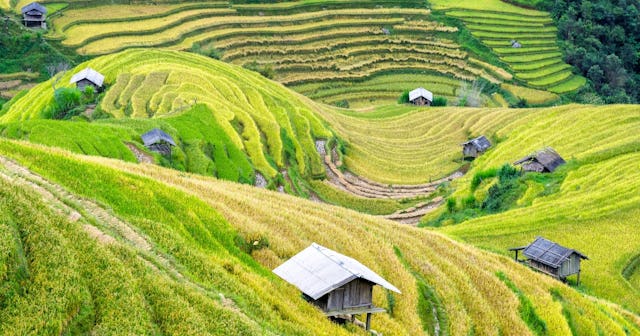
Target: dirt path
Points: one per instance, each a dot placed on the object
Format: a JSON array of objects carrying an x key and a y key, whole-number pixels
[
  {"x": 141, "y": 156},
  {"x": 363, "y": 187}
]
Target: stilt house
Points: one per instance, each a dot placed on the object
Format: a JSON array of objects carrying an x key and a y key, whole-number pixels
[
  {"x": 34, "y": 15},
  {"x": 158, "y": 141},
  {"x": 88, "y": 77},
  {"x": 543, "y": 161},
  {"x": 550, "y": 258},
  {"x": 337, "y": 284},
  {"x": 421, "y": 96},
  {"x": 474, "y": 147}
]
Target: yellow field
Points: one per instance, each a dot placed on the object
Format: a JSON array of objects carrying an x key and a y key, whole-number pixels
[{"x": 466, "y": 291}]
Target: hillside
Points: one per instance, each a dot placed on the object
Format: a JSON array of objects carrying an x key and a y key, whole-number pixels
[
  {"x": 344, "y": 53},
  {"x": 176, "y": 245},
  {"x": 244, "y": 113}
]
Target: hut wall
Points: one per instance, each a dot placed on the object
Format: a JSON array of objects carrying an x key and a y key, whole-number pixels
[
  {"x": 571, "y": 266},
  {"x": 543, "y": 268},
  {"x": 355, "y": 294},
  {"x": 469, "y": 150},
  {"x": 533, "y": 166},
  {"x": 82, "y": 84},
  {"x": 160, "y": 147},
  {"x": 421, "y": 101}
]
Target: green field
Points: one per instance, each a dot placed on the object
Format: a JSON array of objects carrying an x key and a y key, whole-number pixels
[{"x": 179, "y": 266}]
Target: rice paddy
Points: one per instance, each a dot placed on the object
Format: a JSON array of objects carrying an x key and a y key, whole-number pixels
[
  {"x": 219, "y": 288},
  {"x": 536, "y": 60}
]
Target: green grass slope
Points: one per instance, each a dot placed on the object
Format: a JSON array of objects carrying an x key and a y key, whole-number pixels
[
  {"x": 107, "y": 247},
  {"x": 216, "y": 111}
]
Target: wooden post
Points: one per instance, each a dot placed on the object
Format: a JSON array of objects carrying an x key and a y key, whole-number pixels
[
  {"x": 516, "y": 258},
  {"x": 368, "y": 324},
  {"x": 578, "y": 282}
]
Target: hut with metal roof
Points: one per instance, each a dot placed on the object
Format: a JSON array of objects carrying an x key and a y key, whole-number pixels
[
  {"x": 543, "y": 161},
  {"x": 551, "y": 258},
  {"x": 337, "y": 284},
  {"x": 158, "y": 141},
  {"x": 88, "y": 77},
  {"x": 474, "y": 147},
  {"x": 421, "y": 96},
  {"x": 34, "y": 15}
]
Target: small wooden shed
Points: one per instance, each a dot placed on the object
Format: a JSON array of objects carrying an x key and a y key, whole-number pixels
[
  {"x": 88, "y": 77},
  {"x": 551, "y": 258},
  {"x": 421, "y": 96},
  {"x": 474, "y": 147},
  {"x": 543, "y": 161},
  {"x": 337, "y": 284},
  {"x": 34, "y": 15},
  {"x": 158, "y": 141}
]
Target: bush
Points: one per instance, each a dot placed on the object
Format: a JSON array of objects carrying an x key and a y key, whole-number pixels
[
  {"x": 266, "y": 69},
  {"x": 404, "y": 97},
  {"x": 439, "y": 101},
  {"x": 342, "y": 103},
  {"x": 210, "y": 51},
  {"x": 65, "y": 103},
  {"x": 451, "y": 204}
]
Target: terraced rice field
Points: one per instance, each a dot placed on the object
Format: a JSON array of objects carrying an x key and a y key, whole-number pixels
[
  {"x": 12, "y": 84},
  {"x": 538, "y": 62},
  {"x": 341, "y": 42},
  {"x": 255, "y": 114},
  {"x": 189, "y": 277}
]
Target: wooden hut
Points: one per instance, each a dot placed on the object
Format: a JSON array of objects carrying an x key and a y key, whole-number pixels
[
  {"x": 88, "y": 77},
  {"x": 337, "y": 284},
  {"x": 34, "y": 15},
  {"x": 421, "y": 96},
  {"x": 550, "y": 258},
  {"x": 474, "y": 147},
  {"x": 158, "y": 141},
  {"x": 543, "y": 161}
]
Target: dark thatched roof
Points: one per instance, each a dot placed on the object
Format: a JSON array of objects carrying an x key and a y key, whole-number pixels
[
  {"x": 549, "y": 253},
  {"x": 34, "y": 6},
  {"x": 481, "y": 143},
  {"x": 155, "y": 136},
  {"x": 548, "y": 158}
]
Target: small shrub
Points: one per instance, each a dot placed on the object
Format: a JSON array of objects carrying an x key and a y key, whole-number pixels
[
  {"x": 342, "y": 103},
  {"x": 265, "y": 70},
  {"x": 404, "y": 97},
  {"x": 469, "y": 202},
  {"x": 439, "y": 101},
  {"x": 451, "y": 204}
]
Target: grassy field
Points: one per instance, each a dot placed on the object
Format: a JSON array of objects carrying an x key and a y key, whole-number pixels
[{"x": 171, "y": 255}]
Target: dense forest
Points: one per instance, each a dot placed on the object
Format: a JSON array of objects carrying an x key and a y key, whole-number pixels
[{"x": 602, "y": 39}]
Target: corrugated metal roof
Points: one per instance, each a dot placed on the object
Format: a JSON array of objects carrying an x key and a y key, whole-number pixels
[
  {"x": 549, "y": 253},
  {"x": 481, "y": 143},
  {"x": 34, "y": 6},
  {"x": 90, "y": 74},
  {"x": 420, "y": 92},
  {"x": 156, "y": 135},
  {"x": 318, "y": 270},
  {"x": 547, "y": 157}
]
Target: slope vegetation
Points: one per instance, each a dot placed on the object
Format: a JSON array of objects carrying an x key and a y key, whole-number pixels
[
  {"x": 538, "y": 61},
  {"x": 182, "y": 92},
  {"x": 337, "y": 51},
  {"x": 145, "y": 250}
]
